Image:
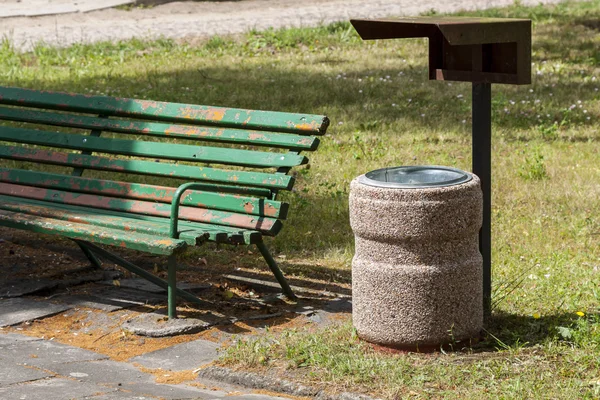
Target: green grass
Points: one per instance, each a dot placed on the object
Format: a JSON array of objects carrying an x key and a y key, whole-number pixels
[{"x": 384, "y": 112}]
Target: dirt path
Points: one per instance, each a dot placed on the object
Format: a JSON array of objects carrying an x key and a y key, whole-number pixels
[{"x": 182, "y": 19}]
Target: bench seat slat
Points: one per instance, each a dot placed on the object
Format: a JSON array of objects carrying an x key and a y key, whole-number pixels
[
  {"x": 217, "y": 233},
  {"x": 139, "y": 191},
  {"x": 193, "y": 238},
  {"x": 163, "y": 111},
  {"x": 111, "y": 237},
  {"x": 167, "y": 151},
  {"x": 268, "y": 226},
  {"x": 206, "y": 174},
  {"x": 256, "y": 138}
]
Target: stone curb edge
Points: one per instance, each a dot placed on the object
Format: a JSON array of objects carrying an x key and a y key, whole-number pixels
[{"x": 256, "y": 381}]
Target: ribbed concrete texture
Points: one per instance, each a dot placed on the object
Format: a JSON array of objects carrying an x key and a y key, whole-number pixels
[{"x": 417, "y": 270}]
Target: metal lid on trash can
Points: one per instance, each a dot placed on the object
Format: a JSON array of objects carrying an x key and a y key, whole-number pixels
[{"x": 415, "y": 177}]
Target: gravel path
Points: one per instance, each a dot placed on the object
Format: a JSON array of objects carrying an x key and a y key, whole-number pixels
[{"x": 183, "y": 19}]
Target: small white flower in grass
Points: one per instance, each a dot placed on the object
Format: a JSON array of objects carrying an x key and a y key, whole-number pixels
[
  {"x": 578, "y": 101},
  {"x": 359, "y": 79},
  {"x": 595, "y": 89},
  {"x": 341, "y": 123},
  {"x": 387, "y": 77},
  {"x": 585, "y": 111},
  {"x": 511, "y": 102},
  {"x": 409, "y": 100},
  {"x": 593, "y": 79},
  {"x": 393, "y": 104},
  {"x": 547, "y": 276},
  {"x": 530, "y": 90},
  {"x": 400, "y": 73},
  {"x": 588, "y": 118},
  {"x": 460, "y": 96},
  {"x": 422, "y": 115},
  {"x": 464, "y": 121},
  {"x": 537, "y": 101},
  {"x": 449, "y": 84},
  {"x": 360, "y": 91},
  {"x": 572, "y": 106}
]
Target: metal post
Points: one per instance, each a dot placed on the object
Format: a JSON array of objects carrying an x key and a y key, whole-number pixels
[
  {"x": 171, "y": 290},
  {"x": 287, "y": 290},
  {"x": 482, "y": 167}
]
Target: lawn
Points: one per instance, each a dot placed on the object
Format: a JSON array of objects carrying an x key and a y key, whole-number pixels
[{"x": 543, "y": 340}]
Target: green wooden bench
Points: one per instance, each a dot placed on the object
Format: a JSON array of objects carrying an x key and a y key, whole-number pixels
[{"x": 164, "y": 176}]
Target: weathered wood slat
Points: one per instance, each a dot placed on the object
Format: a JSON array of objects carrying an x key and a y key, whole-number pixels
[
  {"x": 224, "y": 135},
  {"x": 162, "y": 111},
  {"x": 193, "y": 238},
  {"x": 268, "y": 226},
  {"x": 111, "y": 237},
  {"x": 206, "y": 174},
  {"x": 138, "y": 191},
  {"x": 167, "y": 151},
  {"x": 217, "y": 233}
]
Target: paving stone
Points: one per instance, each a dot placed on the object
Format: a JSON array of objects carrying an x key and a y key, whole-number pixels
[
  {"x": 157, "y": 325},
  {"x": 10, "y": 338},
  {"x": 147, "y": 286},
  {"x": 22, "y": 287},
  {"x": 105, "y": 372},
  {"x": 129, "y": 296},
  {"x": 45, "y": 354},
  {"x": 95, "y": 302},
  {"x": 52, "y": 389},
  {"x": 181, "y": 357},
  {"x": 119, "y": 395},
  {"x": 15, "y": 311},
  {"x": 11, "y": 374},
  {"x": 179, "y": 392}
]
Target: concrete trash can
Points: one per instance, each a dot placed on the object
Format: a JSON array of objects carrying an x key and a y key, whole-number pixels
[{"x": 417, "y": 270}]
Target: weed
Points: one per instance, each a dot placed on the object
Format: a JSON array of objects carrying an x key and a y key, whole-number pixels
[{"x": 534, "y": 167}]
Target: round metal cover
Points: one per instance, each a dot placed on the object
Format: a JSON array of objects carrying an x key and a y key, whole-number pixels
[{"x": 415, "y": 177}]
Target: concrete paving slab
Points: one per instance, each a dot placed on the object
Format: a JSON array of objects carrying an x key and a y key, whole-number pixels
[
  {"x": 147, "y": 286},
  {"x": 179, "y": 392},
  {"x": 130, "y": 296},
  {"x": 107, "y": 372},
  {"x": 52, "y": 389},
  {"x": 22, "y": 287},
  {"x": 157, "y": 325},
  {"x": 95, "y": 302},
  {"x": 11, "y": 374},
  {"x": 10, "y": 338},
  {"x": 45, "y": 354},
  {"x": 181, "y": 357},
  {"x": 119, "y": 395},
  {"x": 18, "y": 310}
]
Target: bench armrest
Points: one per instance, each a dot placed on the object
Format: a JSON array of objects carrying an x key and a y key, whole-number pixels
[{"x": 175, "y": 205}]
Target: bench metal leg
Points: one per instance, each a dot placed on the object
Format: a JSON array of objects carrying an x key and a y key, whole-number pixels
[
  {"x": 170, "y": 286},
  {"x": 90, "y": 256},
  {"x": 172, "y": 289},
  {"x": 287, "y": 290}
]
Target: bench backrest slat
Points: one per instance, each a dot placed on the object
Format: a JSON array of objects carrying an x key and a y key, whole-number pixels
[
  {"x": 224, "y": 135},
  {"x": 140, "y": 191},
  {"x": 138, "y": 148},
  {"x": 163, "y": 111},
  {"x": 141, "y": 167},
  {"x": 240, "y": 158},
  {"x": 266, "y": 225}
]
